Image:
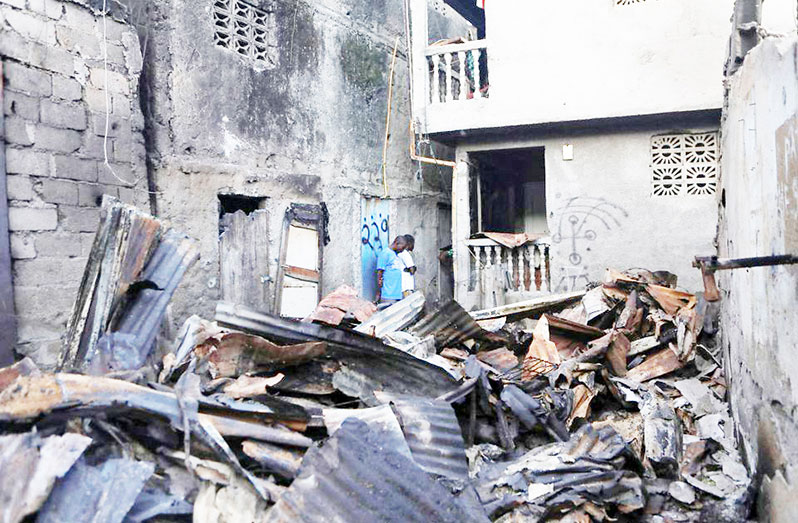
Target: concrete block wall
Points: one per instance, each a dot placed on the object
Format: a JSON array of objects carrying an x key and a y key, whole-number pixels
[
  {"x": 55, "y": 106},
  {"x": 759, "y": 217}
]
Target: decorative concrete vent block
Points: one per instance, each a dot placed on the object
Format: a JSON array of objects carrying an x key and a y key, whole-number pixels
[
  {"x": 246, "y": 30},
  {"x": 628, "y": 2},
  {"x": 684, "y": 164}
]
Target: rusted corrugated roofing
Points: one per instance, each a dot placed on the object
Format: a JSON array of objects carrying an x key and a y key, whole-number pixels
[
  {"x": 433, "y": 435},
  {"x": 450, "y": 324},
  {"x": 353, "y": 477}
]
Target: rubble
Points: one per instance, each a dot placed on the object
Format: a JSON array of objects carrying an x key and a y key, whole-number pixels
[{"x": 598, "y": 406}]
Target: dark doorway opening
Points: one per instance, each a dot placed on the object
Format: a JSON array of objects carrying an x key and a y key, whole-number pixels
[{"x": 508, "y": 194}]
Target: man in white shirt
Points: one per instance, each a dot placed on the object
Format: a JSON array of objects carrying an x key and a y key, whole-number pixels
[{"x": 409, "y": 271}]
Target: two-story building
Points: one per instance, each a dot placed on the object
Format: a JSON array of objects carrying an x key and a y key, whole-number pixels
[{"x": 586, "y": 137}]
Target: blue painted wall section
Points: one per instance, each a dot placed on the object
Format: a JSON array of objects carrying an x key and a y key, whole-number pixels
[{"x": 375, "y": 232}]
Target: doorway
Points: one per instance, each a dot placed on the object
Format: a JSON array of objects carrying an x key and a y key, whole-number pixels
[{"x": 508, "y": 194}]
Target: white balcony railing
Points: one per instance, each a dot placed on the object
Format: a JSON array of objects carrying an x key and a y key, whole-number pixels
[
  {"x": 520, "y": 269},
  {"x": 457, "y": 72}
]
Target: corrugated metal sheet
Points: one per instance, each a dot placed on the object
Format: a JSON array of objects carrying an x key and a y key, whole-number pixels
[
  {"x": 376, "y": 365},
  {"x": 380, "y": 419},
  {"x": 352, "y": 477},
  {"x": 432, "y": 433},
  {"x": 394, "y": 318},
  {"x": 450, "y": 324}
]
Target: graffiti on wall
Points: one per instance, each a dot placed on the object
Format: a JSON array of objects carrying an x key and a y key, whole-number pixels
[
  {"x": 375, "y": 231},
  {"x": 581, "y": 221}
]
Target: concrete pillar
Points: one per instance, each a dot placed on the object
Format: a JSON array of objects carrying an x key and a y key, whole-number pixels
[
  {"x": 461, "y": 225},
  {"x": 418, "y": 62}
]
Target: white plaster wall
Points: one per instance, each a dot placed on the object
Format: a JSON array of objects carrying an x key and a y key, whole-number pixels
[
  {"x": 584, "y": 59},
  {"x": 607, "y": 186},
  {"x": 759, "y": 217}
]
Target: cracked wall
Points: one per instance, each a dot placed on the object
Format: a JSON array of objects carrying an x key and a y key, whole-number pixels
[{"x": 758, "y": 217}]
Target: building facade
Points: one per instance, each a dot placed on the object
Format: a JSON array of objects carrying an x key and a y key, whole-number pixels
[{"x": 592, "y": 127}]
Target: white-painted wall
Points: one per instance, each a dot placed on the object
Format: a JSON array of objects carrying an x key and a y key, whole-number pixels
[
  {"x": 586, "y": 59},
  {"x": 608, "y": 185}
]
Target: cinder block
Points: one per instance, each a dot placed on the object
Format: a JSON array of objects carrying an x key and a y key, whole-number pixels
[
  {"x": 45, "y": 354},
  {"x": 19, "y": 131},
  {"x": 81, "y": 41},
  {"x": 75, "y": 168},
  {"x": 122, "y": 174},
  {"x": 87, "y": 243},
  {"x": 57, "y": 191},
  {"x": 59, "y": 244},
  {"x": 14, "y": 3},
  {"x": 117, "y": 82},
  {"x": 31, "y": 331},
  {"x": 93, "y": 147},
  {"x": 27, "y": 161},
  {"x": 30, "y": 26},
  {"x": 121, "y": 106},
  {"x": 66, "y": 88},
  {"x": 54, "y": 8},
  {"x": 79, "y": 219},
  {"x": 23, "y": 247},
  {"x": 72, "y": 270},
  {"x": 95, "y": 99},
  {"x": 130, "y": 41},
  {"x": 22, "y": 105},
  {"x": 78, "y": 16},
  {"x": 59, "y": 61},
  {"x": 114, "y": 127},
  {"x": 90, "y": 195},
  {"x": 32, "y": 219},
  {"x": 63, "y": 115},
  {"x": 116, "y": 56},
  {"x": 57, "y": 140},
  {"x": 19, "y": 187},
  {"x": 20, "y": 77}
]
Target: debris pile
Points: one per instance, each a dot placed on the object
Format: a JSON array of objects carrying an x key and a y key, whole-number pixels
[{"x": 589, "y": 406}]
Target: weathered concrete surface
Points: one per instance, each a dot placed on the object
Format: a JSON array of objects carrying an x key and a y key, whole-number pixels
[
  {"x": 307, "y": 129},
  {"x": 607, "y": 188},
  {"x": 583, "y": 59},
  {"x": 759, "y": 216},
  {"x": 55, "y": 107}
]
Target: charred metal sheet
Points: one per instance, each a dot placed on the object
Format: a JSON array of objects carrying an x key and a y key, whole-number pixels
[
  {"x": 38, "y": 462},
  {"x": 533, "y": 307},
  {"x": 450, "y": 325},
  {"x": 378, "y": 366},
  {"x": 380, "y": 420},
  {"x": 433, "y": 435},
  {"x": 102, "y": 494},
  {"x": 154, "y": 502},
  {"x": 31, "y": 397},
  {"x": 573, "y": 329},
  {"x": 275, "y": 459},
  {"x": 354, "y": 477},
  {"x": 394, "y": 318}
]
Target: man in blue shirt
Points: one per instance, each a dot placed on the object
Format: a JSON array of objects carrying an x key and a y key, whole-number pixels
[{"x": 389, "y": 273}]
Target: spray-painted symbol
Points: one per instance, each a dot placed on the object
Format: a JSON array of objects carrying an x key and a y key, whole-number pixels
[{"x": 579, "y": 219}]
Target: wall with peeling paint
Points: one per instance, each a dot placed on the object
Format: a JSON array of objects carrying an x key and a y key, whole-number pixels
[{"x": 759, "y": 217}]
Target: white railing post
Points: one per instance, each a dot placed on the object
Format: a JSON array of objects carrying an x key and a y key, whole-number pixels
[
  {"x": 436, "y": 80},
  {"x": 463, "y": 95},
  {"x": 448, "y": 59}
]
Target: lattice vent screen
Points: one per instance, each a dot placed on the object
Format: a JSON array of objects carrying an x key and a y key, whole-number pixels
[
  {"x": 245, "y": 29},
  {"x": 684, "y": 164}
]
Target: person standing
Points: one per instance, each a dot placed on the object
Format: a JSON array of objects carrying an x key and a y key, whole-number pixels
[
  {"x": 409, "y": 269},
  {"x": 389, "y": 273}
]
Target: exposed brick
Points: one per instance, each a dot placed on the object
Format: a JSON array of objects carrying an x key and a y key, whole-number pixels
[
  {"x": 58, "y": 140},
  {"x": 122, "y": 174},
  {"x": 13, "y": 45},
  {"x": 22, "y": 247},
  {"x": 66, "y": 88},
  {"x": 75, "y": 168},
  {"x": 79, "y": 219},
  {"x": 81, "y": 41},
  {"x": 19, "y": 187},
  {"x": 27, "y": 161},
  {"x": 22, "y": 105},
  {"x": 22, "y": 78},
  {"x": 19, "y": 131},
  {"x": 53, "y": 190},
  {"x": 90, "y": 195},
  {"x": 59, "y": 244},
  {"x": 31, "y": 26},
  {"x": 32, "y": 219},
  {"x": 63, "y": 115},
  {"x": 117, "y": 82}
]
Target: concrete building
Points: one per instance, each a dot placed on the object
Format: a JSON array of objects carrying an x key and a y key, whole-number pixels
[
  {"x": 221, "y": 117},
  {"x": 592, "y": 127}
]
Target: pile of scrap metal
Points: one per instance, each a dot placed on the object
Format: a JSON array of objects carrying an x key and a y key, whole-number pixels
[{"x": 354, "y": 414}]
